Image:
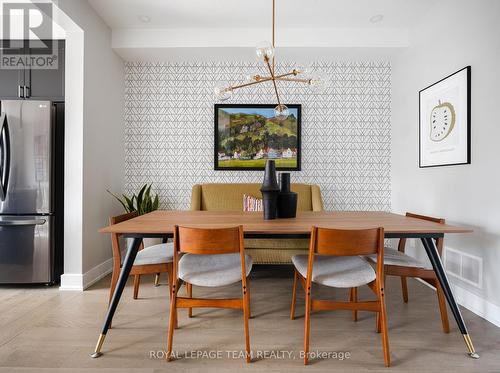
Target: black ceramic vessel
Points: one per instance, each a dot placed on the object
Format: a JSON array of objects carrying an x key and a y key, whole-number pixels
[
  {"x": 287, "y": 200},
  {"x": 270, "y": 190}
]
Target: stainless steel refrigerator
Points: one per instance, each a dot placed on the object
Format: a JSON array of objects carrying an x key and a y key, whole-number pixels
[{"x": 27, "y": 203}]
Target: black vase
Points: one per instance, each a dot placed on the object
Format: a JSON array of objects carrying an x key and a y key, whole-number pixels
[
  {"x": 270, "y": 190},
  {"x": 287, "y": 200}
]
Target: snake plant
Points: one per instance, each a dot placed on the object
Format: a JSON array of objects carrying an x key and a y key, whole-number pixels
[{"x": 142, "y": 202}]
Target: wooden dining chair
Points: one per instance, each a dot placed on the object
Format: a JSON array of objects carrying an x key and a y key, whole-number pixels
[
  {"x": 334, "y": 260},
  {"x": 211, "y": 258},
  {"x": 397, "y": 263},
  {"x": 154, "y": 259}
]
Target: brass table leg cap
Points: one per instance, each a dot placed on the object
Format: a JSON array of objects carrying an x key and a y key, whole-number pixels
[
  {"x": 95, "y": 355},
  {"x": 473, "y": 355}
]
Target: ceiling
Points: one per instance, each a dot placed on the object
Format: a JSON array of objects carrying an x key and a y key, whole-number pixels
[
  {"x": 230, "y": 29},
  {"x": 126, "y": 14}
]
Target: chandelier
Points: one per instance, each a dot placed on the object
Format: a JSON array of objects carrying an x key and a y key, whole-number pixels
[{"x": 265, "y": 52}]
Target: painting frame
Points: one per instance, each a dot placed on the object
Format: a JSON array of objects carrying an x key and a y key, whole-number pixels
[
  {"x": 462, "y": 152},
  {"x": 218, "y": 167}
]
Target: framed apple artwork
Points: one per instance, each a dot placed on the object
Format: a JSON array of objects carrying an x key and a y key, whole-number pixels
[{"x": 444, "y": 121}]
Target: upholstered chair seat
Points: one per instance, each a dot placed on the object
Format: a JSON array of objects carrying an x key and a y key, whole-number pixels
[
  {"x": 212, "y": 270},
  {"x": 398, "y": 258},
  {"x": 156, "y": 254},
  {"x": 336, "y": 271}
]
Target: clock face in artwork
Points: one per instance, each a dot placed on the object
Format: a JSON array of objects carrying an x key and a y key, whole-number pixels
[{"x": 442, "y": 121}]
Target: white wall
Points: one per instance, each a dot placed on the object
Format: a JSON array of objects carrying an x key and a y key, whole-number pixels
[
  {"x": 454, "y": 34},
  {"x": 94, "y": 147}
]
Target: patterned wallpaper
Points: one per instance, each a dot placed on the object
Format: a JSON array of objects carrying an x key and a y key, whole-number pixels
[{"x": 345, "y": 130}]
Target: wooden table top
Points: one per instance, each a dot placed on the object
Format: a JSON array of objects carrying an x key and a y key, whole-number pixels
[{"x": 162, "y": 222}]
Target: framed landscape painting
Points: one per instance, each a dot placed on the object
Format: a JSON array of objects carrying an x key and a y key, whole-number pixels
[
  {"x": 246, "y": 136},
  {"x": 444, "y": 121}
]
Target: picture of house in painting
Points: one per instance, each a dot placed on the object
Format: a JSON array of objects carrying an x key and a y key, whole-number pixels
[{"x": 248, "y": 137}]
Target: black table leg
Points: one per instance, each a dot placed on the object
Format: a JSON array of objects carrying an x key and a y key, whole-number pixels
[
  {"x": 433, "y": 255},
  {"x": 122, "y": 280}
]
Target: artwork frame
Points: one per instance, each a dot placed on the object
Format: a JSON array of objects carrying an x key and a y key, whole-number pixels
[
  {"x": 444, "y": 130},
  {"x": 290, "y": 162}
]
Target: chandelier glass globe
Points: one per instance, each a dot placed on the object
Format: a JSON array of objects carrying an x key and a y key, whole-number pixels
[
  {"x": 281, "y": 112},
  {"x": 251, "y": 76},
  {"x": 264, "y": 50},
  {"x": 318, "y": 81},
  {"x": 300, "y": 70},
  {"x": 223, "y": 93}
]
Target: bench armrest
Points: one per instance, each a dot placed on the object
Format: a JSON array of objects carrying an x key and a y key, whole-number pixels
[
  {"x": 317, "y": 201},
  {"x": 196, "y": 198}
]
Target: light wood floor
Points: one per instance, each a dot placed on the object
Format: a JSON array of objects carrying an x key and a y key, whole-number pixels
[{"x": 47, "y": 330}]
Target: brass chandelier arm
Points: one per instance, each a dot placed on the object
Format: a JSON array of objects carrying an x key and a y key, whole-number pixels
[
  {"x": 266, "y": 79},
  {"x": 307, "y": 81},
  {"x": 273, "y": 39},
  {"x": 281, "y": 76},
  {"x": 273, "y": 78}
]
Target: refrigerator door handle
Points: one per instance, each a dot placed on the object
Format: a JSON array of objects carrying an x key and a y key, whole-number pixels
[
  {"x": 22, "y": 222},
  {"x": 5, "y": 161}
]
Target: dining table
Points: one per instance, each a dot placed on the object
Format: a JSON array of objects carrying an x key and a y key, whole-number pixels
[{"x": 161, "y": 224}]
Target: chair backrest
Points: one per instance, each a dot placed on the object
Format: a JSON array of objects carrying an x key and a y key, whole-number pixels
[
  {"x": 439, "y": 240},
  {"x": 423, "y": 217},
  {"x": 203, "y": 241},
  {"x": 343, "y": 242},
  {"x": 115, "y": 240},
  {"x": 208, "y": 241},
  {"x": 122, "y": 218}
]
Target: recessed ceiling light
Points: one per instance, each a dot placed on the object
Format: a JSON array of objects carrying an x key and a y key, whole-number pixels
[
  {"x": 144, "y": 18},
  {"x": 377, "y": 18}
]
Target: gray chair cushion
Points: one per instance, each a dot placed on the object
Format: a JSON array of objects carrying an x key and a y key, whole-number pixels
[
  {"x": 212, "y": 270},
  {"x": 397, "y": 258},
  {"x": 156, "y": 254},
  {"x": 336, "y": 271}
]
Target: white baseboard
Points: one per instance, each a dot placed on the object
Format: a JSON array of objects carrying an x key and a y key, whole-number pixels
[
  {"x": 474, "y": 303},
  {"x": 71, "y": 281},
  {"x": 80, "y": 282},
  {"x": 95, "y": 274}
]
